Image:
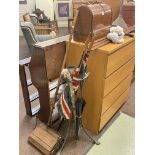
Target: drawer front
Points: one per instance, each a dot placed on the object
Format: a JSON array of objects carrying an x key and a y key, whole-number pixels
[
  {"x": 113, "y": 109},
  {"x": 115, "y": 94},
  {"x": 119, "y": 58},
  {"x": 113, "y": 80}
]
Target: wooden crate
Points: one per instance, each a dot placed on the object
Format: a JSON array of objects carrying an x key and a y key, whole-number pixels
[{"x": 45, "y": 140}]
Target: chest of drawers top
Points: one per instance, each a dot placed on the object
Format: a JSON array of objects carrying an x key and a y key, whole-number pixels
[{"x": 109, "y": 48}]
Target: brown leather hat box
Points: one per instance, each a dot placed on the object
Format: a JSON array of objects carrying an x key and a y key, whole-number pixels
[{"x": 96, "y": 19}]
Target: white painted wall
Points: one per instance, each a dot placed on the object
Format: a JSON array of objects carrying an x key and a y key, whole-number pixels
[
  {"x": 47, "y": 6},
  {"x": 25, "y": 8},
  {"x": 62, "y": 22}
]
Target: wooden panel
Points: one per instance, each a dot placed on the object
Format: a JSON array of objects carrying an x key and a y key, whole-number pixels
[
  {"x": 112, "y": 81},
  {"x": 54, "y": 56},
  {"x": 119, "y": 58},
  {"x": 52, "y": 41},
  {"x": 92, "y": 90},
  {"x": 24, "y": 86},
  {"x": 92, "y": 94},
  {"x": 115, "y": 94},
  {"x": 113, "y": 109},
  {"x": 93, "y": 108},
  {"x": 74, "y": 54},
  {"x": 93, "y": 85},
  {"x": 96, "y": 66}
]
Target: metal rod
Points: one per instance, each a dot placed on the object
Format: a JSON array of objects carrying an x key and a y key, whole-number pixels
[
  {"x": 90, "y": 137},
  {"x": 67, "y": 134}
]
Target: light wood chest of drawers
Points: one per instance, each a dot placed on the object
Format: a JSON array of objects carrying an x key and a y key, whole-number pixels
[{"x": 107, "y": 87}]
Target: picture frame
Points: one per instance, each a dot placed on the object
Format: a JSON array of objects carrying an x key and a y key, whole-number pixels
[
  {"x": 63, "y": 10},
  {"x": 22, "y": 1}
]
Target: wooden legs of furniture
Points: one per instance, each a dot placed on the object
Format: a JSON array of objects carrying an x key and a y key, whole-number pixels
[
  {"x": 28, "y": 98},
  {"x": 25, "y": 89}
]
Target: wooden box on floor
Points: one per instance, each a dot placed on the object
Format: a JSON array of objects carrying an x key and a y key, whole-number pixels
[
  {"x": 45, "y": 140},
  {"x": 107, "y": 86}
]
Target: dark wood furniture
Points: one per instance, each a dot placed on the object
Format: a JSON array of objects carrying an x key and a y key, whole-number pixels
[
  {"x": 45, "y": 27},
  {"x": 43, "y": 19},
  {"x": 25, "y": 84},
  {"x": 45, "y": 66},
  {"x": 128, "y": 13}
]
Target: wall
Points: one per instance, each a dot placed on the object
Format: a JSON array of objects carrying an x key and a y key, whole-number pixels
[
  {"x": 47, "y": 6},
  {"x": 63, "y": 21},
  {"x": 25, "y": 8}
]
